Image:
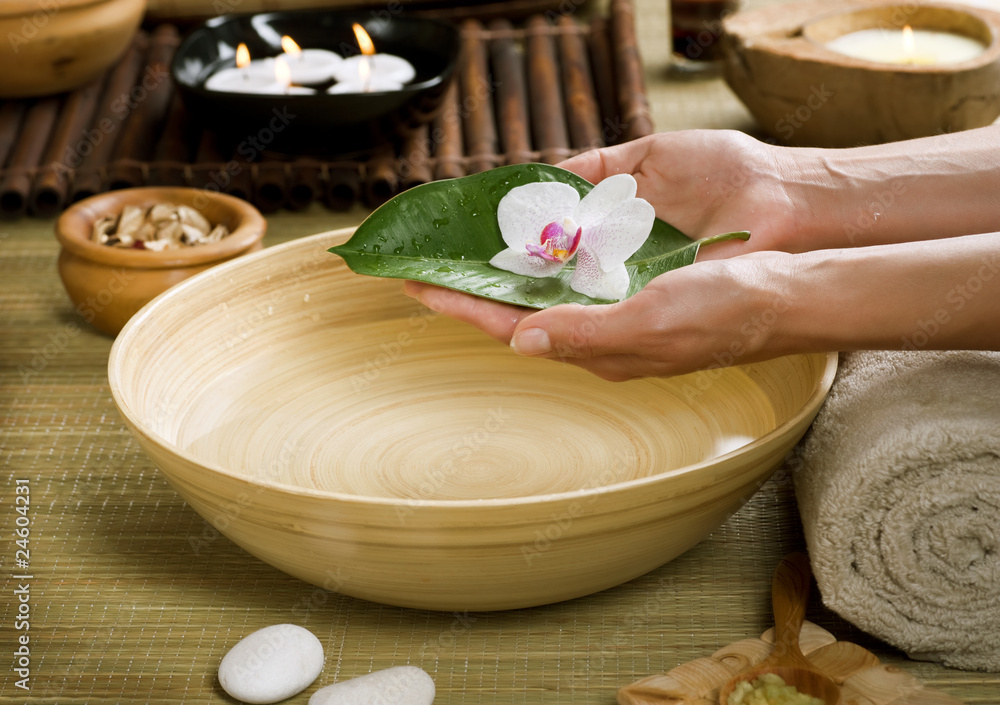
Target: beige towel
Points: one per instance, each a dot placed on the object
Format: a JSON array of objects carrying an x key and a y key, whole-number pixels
[{"x": 898, "y": 484}]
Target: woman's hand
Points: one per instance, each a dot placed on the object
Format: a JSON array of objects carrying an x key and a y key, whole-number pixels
[
  {"x": 714, "y": 313},
  {"x": 704, "y": 182}
]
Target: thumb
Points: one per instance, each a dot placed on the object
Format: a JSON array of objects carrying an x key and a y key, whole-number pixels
[
  {"x": 595, "y": 165},
  {"x": 570, "y": 331}
]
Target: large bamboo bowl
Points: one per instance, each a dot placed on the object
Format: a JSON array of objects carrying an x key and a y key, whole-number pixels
[{"x": 337, "y": 430}]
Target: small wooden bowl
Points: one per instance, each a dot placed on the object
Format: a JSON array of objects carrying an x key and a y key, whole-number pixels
[
  {"x": 339, "y": 431},
  {"x": 803, "y": 93},
  {"x": 61, "y": 45},
  {"x": 108, "y": 284}
]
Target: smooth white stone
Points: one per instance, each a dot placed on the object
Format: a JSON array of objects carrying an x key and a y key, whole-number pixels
[
  {"x": 271, "y": 664},
  {"x": 400, "y": 685}
]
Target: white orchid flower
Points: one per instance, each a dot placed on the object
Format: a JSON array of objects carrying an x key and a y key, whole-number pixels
[{"x": 546, "y": 225}]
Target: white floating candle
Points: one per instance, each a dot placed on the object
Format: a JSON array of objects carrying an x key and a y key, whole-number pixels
[
  {"x": 283, "y": 77},
  {"x": 248, "y": 76},
  {"x": 907, "y": 46},
  {"x": 309, "y": 66},
  {"x": 379, "y": 66},
  {"x": 374, "y": 85},
  {"x": 370, "y": 69}
]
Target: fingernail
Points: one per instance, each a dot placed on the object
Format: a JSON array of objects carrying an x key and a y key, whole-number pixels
[{"x": 531, "y": 341}]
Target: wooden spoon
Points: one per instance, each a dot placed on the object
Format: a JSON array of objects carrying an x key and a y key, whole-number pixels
[{"x": 789, "y": 593}]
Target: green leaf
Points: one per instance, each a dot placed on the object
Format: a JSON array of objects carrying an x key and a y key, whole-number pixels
[{"x": 446, "y": 232}]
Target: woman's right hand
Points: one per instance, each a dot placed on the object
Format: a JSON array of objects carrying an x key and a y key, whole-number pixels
[{"x": 705, "y": 182}]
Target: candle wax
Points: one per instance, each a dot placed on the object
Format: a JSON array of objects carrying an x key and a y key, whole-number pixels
[
  {"x": 313, "y": 66},
  {"x": 241, "y": 81},
  {"x": 379, "y": 66},
  {"x": 887, "y": 46},
  {"x": 377, "y": 84}
]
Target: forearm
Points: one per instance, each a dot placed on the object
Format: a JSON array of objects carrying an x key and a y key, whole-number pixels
[
  {"x": 934, "y": 187},
  {"x": 938, "y": 294}
]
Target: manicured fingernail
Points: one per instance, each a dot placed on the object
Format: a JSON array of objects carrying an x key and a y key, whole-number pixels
[{"x": 531, "y": 341}]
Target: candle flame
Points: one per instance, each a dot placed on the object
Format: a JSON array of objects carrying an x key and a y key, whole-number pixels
[
  {"x": 242, "y": 56},
  {"x": 290, "y": 47},
  {"x": 282, "y": 73},
  {"x": 909, "y": 45},
  {"x": 364, "y": 41}
]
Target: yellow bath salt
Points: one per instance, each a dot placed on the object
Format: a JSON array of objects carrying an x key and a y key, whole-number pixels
[{"x": 769, "y": 689}]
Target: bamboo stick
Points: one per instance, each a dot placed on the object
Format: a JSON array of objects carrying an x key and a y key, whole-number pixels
[
  {"x": 628, "y": 72},
  {"x": 447, "y": 138},
  {"x": 582, "y": 113},
  {"x": 174, "y": 149},
  {"x": 269, "y": 185},
  {"x": 16, "y": 184},
  {"x": 50, "y": 189},
  {"x": 152, "y": 100},
  {"x": 476, "y": 107},
  {"x": 342, "y": 186},
  {"x": 603, "y": 74},
  {"x": 381, "y": 179},
  {"x": 11, "y": 115},
  {"x": 512, "y": 95},
  {"x": 548, "y": 117},
  {"x": 414, "y": 162},
  {"x": 104, "y": 132},
  {"x": 304, "y": 185},
  {"x": 214, "y": 170}
]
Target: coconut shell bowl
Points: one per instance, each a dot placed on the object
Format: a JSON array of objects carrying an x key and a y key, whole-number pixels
[
  {"x": 107, "y": 285},
  {"x": 781, "y": 62},
  {"x": 337, "y": 430}
]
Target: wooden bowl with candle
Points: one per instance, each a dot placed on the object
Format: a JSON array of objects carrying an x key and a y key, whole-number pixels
[
  {"x": 308, "y": 87},
  {"x": 857, "y": 72},
  {"x": 353, "y": 439}
]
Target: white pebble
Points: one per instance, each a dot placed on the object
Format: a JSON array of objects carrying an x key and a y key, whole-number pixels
[
  {"x": 272, "y": 664},
  {"x": 400, "y": 685}
]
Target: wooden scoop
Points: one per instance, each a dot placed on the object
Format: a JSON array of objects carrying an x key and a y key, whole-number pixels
[{"x": 789, "y": 593}]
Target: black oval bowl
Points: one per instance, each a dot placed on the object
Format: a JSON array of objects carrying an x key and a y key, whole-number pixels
[{"x": 321, "y": 123}]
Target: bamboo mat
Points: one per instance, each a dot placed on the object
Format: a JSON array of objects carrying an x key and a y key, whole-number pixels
[
  {"x": 135, "y": 598},
  {"x": 542, "y": 89}
]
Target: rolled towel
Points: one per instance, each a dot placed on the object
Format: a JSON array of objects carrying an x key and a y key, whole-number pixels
[{"x": 898, "y": 485}]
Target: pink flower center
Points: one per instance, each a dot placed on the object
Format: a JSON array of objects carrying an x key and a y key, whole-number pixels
[{"x": 558, "y": 242}]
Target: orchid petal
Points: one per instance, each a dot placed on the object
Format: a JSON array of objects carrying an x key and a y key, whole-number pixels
[
  {"x": 603, "y": 199},
  {"x": 518, "y": 261},
  {"x": 622, "y": 231},
  {"x": 525, "y": 211},
  {"x": 591, "y": 279}
]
